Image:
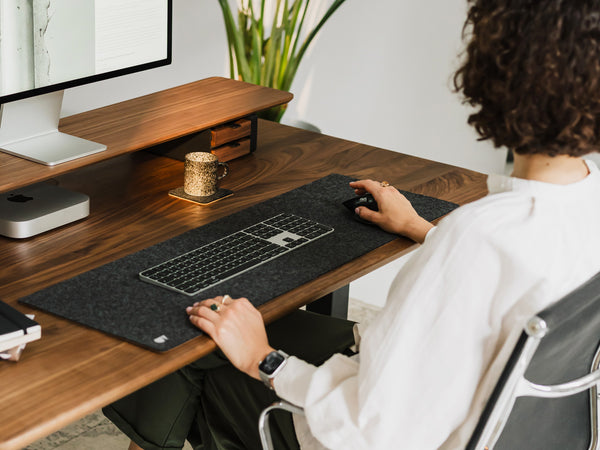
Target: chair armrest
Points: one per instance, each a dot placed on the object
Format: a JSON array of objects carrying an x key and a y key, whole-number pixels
[
  {"x": 527, "y": 388},
  {"x": 263, "y": 421}
]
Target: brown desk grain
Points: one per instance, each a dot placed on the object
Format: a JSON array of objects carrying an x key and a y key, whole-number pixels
[{"x": 74, "y": 370}]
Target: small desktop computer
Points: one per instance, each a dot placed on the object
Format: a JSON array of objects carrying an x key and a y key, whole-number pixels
[{"x": 40, "y": 207}]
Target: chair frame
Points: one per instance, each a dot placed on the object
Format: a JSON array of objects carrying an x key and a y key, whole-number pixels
[
  {"x": 517, "y": 385},
  {"x": 263, "y": 421}
]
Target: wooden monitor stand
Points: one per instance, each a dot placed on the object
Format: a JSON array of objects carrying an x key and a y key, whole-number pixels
[{"x": 147, "y": 121}]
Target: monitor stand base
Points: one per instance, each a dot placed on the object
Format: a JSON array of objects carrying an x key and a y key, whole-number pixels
[
  {"x": 52, "y": 148},
  {"x": 29, "y": 129}
]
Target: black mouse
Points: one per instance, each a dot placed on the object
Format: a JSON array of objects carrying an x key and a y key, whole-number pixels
[{"x": 366, "y": 200}]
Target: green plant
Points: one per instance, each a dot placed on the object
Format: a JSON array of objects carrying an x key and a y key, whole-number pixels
[{"x": 269, "y": 60}]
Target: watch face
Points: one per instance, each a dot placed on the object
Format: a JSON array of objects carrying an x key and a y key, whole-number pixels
[{"x": 271, "y": 363}]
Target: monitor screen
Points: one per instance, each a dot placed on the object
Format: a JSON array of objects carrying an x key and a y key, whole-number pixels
[
  {"x": 47, "y": 46},
  {"x": 55, "y": 44}
]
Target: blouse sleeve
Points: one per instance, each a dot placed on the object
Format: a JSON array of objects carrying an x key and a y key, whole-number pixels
[{"x": 420, "y": 359}]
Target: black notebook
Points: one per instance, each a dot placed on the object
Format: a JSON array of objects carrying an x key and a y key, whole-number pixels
[
  {"x": 16, "y": 328},
  {"x": 113, "y": 299}
]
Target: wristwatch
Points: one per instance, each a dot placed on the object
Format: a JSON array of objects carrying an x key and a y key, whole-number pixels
[{"x": 269, "y": 367}]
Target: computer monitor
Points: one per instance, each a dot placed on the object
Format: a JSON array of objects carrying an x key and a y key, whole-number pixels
[{"x": 47, "y": 46}]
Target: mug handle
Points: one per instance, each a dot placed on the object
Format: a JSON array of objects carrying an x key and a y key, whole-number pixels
[{"x": 225, "y": 170}]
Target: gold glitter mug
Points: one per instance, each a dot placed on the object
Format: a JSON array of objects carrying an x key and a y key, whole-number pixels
[{"x": 201, "y": 176}]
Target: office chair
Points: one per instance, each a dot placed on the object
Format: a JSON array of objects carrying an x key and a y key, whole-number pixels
[{"x": 540, "y": 400}]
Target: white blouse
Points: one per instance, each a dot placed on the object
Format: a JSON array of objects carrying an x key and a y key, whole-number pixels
[{"x": 430, "y": 359}]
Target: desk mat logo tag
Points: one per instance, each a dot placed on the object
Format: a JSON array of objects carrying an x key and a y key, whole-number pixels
[{"x": 161, "y": 339}]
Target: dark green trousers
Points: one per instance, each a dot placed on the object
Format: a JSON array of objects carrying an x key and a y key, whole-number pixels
[{"x": 213, "y": 405}]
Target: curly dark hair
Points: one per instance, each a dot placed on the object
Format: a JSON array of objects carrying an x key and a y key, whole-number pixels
[{"x": 532, "y": 70}]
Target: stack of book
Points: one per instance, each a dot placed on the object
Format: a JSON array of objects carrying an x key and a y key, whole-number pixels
[{"x": 16, "y": 329}]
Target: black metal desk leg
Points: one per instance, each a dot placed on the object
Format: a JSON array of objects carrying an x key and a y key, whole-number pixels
[{"x": 334, "y": 304}]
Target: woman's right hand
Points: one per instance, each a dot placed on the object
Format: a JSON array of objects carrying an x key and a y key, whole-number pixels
[{"x": 395, "y": 215}]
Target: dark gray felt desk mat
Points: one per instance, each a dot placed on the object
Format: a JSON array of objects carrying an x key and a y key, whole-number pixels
[{"x": 112, "y": 299}]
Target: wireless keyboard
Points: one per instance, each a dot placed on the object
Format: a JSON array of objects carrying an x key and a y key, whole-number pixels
[{"x": 211, "y": 264}]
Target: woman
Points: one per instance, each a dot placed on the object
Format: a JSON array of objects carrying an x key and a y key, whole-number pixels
[{"x": 429, "y": 361}]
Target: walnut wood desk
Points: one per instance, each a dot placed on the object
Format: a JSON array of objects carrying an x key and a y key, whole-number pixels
[{"x": 73, "y": 371}]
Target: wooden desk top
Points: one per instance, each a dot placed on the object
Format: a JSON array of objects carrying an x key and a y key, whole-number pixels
[{"x": 72, "y": 370}]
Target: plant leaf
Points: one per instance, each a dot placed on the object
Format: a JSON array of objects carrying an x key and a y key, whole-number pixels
[{"x": 269, "y": 60}]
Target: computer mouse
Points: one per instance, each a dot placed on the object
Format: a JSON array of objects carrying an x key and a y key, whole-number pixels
[{"x": 365, "y": 200}]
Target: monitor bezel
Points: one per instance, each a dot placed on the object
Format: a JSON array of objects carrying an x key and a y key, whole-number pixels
[{"x": 101, "y": 76}]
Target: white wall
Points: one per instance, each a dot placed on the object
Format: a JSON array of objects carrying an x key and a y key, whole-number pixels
[{"x": 379, "y": 74}]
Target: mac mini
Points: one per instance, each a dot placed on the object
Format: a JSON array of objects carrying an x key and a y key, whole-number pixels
[{"x": 40, "y": 207}]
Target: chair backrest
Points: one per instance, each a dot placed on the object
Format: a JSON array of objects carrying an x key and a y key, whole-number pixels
[{"x": 546, "y": 397}]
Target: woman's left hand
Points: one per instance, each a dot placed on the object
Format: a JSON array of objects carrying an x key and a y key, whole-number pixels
[{"x": 238, "y": 329}]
